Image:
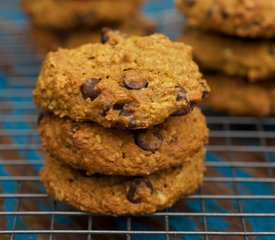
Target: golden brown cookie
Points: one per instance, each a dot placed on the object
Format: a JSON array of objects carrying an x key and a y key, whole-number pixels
[
  {"x": 46, "y": 40},
  {"x": 132, "y": 83},
  {"x": 244, "y": 18},
  {"x": 70, "y": 14},
  {"x": 90, "y": 147},
  {"x": 239, "y": 97},
  {"x": 253, "y": 59},
  {"x": 122, "y": 195}
]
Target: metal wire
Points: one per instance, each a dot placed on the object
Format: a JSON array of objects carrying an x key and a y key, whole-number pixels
[{"x": 238, "y": 189}]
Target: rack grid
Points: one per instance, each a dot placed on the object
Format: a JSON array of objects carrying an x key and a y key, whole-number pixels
[{"x": 236, "y": 201}]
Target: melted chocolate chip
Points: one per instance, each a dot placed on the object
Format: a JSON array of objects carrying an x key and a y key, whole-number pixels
[
  {"x": 181, "y": 94},
  {"x": 134, "y": 80},
  {"x": 88, "y": 89},
  {"x": 104, "y": 35},
  {"x": 184, "y": 111},
  {"x": 118, "y": 105},
  {"x": 133, "y": 188},
  {"x": 148, "y": 140}
]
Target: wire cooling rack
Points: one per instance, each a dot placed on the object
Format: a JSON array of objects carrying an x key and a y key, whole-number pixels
[{"x": 236, "y": 201}]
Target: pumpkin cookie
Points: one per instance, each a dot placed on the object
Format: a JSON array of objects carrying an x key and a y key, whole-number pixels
[
  {"x": 70, "y": 14},
  {"x": 90, "y": 147},
  {"x": 253, "y": 59},
  {"x": 244, "y": 18},
  {"x": 132, "y": 83},
  {"x": 116, "y": 195},
  {"x": 46, "y": 40},
  {"x": 238, "y": 97}
]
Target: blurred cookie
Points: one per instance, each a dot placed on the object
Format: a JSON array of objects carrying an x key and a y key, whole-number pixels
[
  {"x": 253, "y": 59},
  {"x": 244, "y": 18},
  {"x": 70, "y": 14},
  {"x": 129, "y": 83},
  {"x": 46, "y": 40},
  {"x": 238, "y": 97},
  {"x": 90, "y": 147},
  {"x": 116, "y": 195}
]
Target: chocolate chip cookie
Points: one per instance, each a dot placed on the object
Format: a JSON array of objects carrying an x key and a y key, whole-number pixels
[
  {"x": 90, "y": 147},
  {"x": 237, "y": 96},
  {"x": 244, "y": 18},
  {"x": 124, "y": 82},
  {"x": 253, "y": 59},
  {"x": 46, "y": 40},
  {"x": 70, "y": 14},
  {"x": 116, "y": 195}
]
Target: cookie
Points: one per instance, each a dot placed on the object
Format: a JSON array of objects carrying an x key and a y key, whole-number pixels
[
  {"x": 46, "y": 40},
  {"x": 131, "y": 83},
  {"x": 238, "y": 97},
  {"x": 90, "y": 147},
  {"x": 70, "y": 14},
  {"x": 253, "y": 59},
  {"x": 116, "y": 195},
  {"x": 244, "y": 18}
]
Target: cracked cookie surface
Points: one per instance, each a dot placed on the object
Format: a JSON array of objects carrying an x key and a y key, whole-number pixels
[
  {"x": 130, "y": 83},
  {"x": 244, "y": 18},
  {"x": 90, "y": 147},
  {"x": 116, "y": 195}
]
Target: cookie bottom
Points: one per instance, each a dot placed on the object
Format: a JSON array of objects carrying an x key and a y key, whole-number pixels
[
  {"x": 238, "y": 97},
  {"x": 118, "y": 195}
]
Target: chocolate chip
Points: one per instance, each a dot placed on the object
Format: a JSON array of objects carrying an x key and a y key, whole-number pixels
[
  {"x": 134, "y": 80},
  {"x": 133, "y": 188},
  {"x": 184, "y": 111},
  {"x": 190, "y": 3},
  {"x": 148, "y": 140},
  {"x": 105, "y": 111},
  {"x": 118, "y": 105},
  {"x": 181, "y": 94},
  {"x": 88, "y": 89},
  {"x": 205, "y": 93},
  {"x": 75, "y": 128},
  {"x": 224, "y": 13},
  {"x": 104, "y": 35}
]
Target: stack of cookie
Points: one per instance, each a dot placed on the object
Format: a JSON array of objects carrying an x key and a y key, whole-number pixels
[
  {"x": 233, "y": 40},
  {"x": 72, "y": 23},
  {"x": 120, "y": 126}
]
